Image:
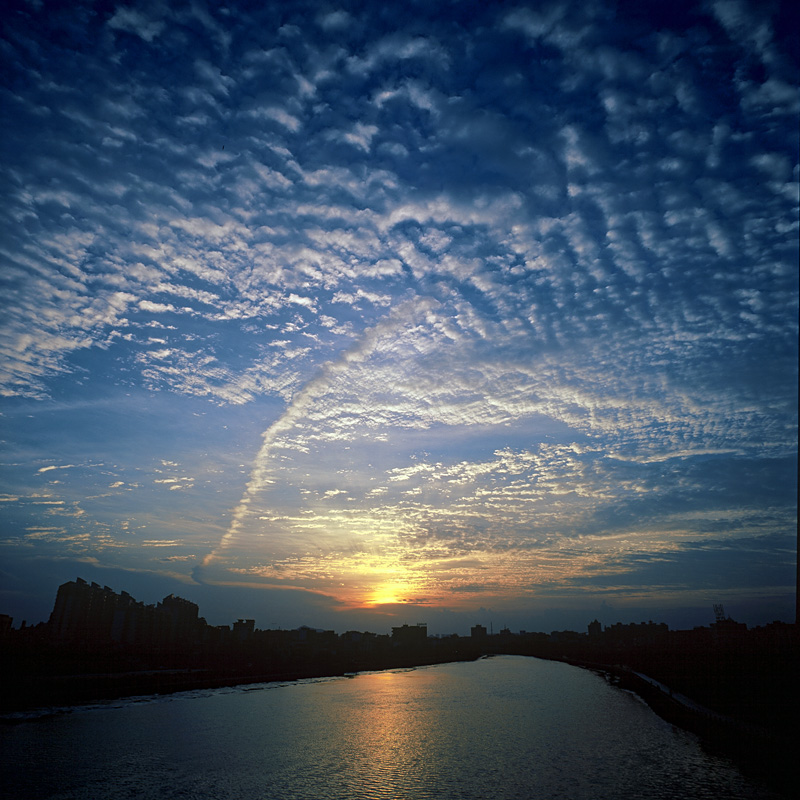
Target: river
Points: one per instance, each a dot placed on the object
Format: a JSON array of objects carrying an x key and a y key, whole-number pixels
[{"x": 503, "y": 727}]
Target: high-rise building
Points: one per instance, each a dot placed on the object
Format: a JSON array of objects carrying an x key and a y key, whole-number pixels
[{"x": 410, "y": 634}]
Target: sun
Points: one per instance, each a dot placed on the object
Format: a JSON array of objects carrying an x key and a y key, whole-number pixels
[{"x": 386, "y": 595}]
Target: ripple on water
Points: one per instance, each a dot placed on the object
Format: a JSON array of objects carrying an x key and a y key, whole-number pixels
[{"x": 509, "y": 727}]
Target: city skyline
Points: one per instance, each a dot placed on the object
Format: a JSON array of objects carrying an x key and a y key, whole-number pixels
[
  {"x": 352, "y": 317},
  {"x": 84, "y": 611}
]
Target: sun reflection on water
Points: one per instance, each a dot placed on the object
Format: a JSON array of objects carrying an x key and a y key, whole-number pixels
[{"x": 392, "y": 737}]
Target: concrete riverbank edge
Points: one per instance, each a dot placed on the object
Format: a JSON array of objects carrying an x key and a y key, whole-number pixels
[{"x": 763, "y": 755}]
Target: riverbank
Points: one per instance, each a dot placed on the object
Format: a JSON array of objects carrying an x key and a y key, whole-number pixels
[
  {"x": 762, "y": 754},
  {"x": 38, "y": 694}
]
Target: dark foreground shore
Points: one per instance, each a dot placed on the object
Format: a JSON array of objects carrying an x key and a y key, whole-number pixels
[
  {"x": 764, "y": 755},
  {"x": 27, "y": 695}
]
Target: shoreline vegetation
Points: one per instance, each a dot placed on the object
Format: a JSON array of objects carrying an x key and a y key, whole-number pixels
[{"x": 734, "y": 688}]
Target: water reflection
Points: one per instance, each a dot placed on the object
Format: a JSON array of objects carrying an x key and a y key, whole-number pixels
[
  {"x": 391, "y": 736},
  {"x": 505, "y": 728}
]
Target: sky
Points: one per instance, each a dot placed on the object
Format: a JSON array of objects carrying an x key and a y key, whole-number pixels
[{"x": 360, "y": 314}]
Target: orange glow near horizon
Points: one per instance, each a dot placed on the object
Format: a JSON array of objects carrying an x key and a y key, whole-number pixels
[
  {"x": 388, "y": 594},
  {"x": 388, "y": 576}
]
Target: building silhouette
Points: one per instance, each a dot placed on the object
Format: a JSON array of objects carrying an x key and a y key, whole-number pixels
[
  {"x": 243, "y": 628},
  {"x": 95, "y": 616},
  {"x": 410, "y": 634}
]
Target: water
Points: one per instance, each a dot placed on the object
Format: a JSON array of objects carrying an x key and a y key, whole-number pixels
[{"x": 506, "y": 727}]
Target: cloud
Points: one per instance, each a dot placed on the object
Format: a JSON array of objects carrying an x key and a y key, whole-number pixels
[
  {"x": 400, "y": 47},
  {"x": 279, "y": 115},
  {"x": 482, "y": 282},
  {"x": 745, "y": 26},
  {"x": 335, "y": 20},
  {"x": 134, "y": 21},
  {"x": 359, "y": 136}
]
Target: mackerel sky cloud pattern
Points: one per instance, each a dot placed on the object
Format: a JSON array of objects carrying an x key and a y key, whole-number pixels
[{"x": 457, "y": 309}]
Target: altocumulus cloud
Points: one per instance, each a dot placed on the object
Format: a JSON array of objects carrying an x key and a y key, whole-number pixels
[{"x": 490, "y": 304}]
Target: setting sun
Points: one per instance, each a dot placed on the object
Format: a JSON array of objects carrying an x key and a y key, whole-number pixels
[{"x": 386, "y": 595}]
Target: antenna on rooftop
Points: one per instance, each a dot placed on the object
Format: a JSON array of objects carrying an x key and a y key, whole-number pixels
[{"x": 719, "y": 612}]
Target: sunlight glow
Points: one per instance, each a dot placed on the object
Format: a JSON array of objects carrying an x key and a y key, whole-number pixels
[{"x": 386, "y": 595}]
